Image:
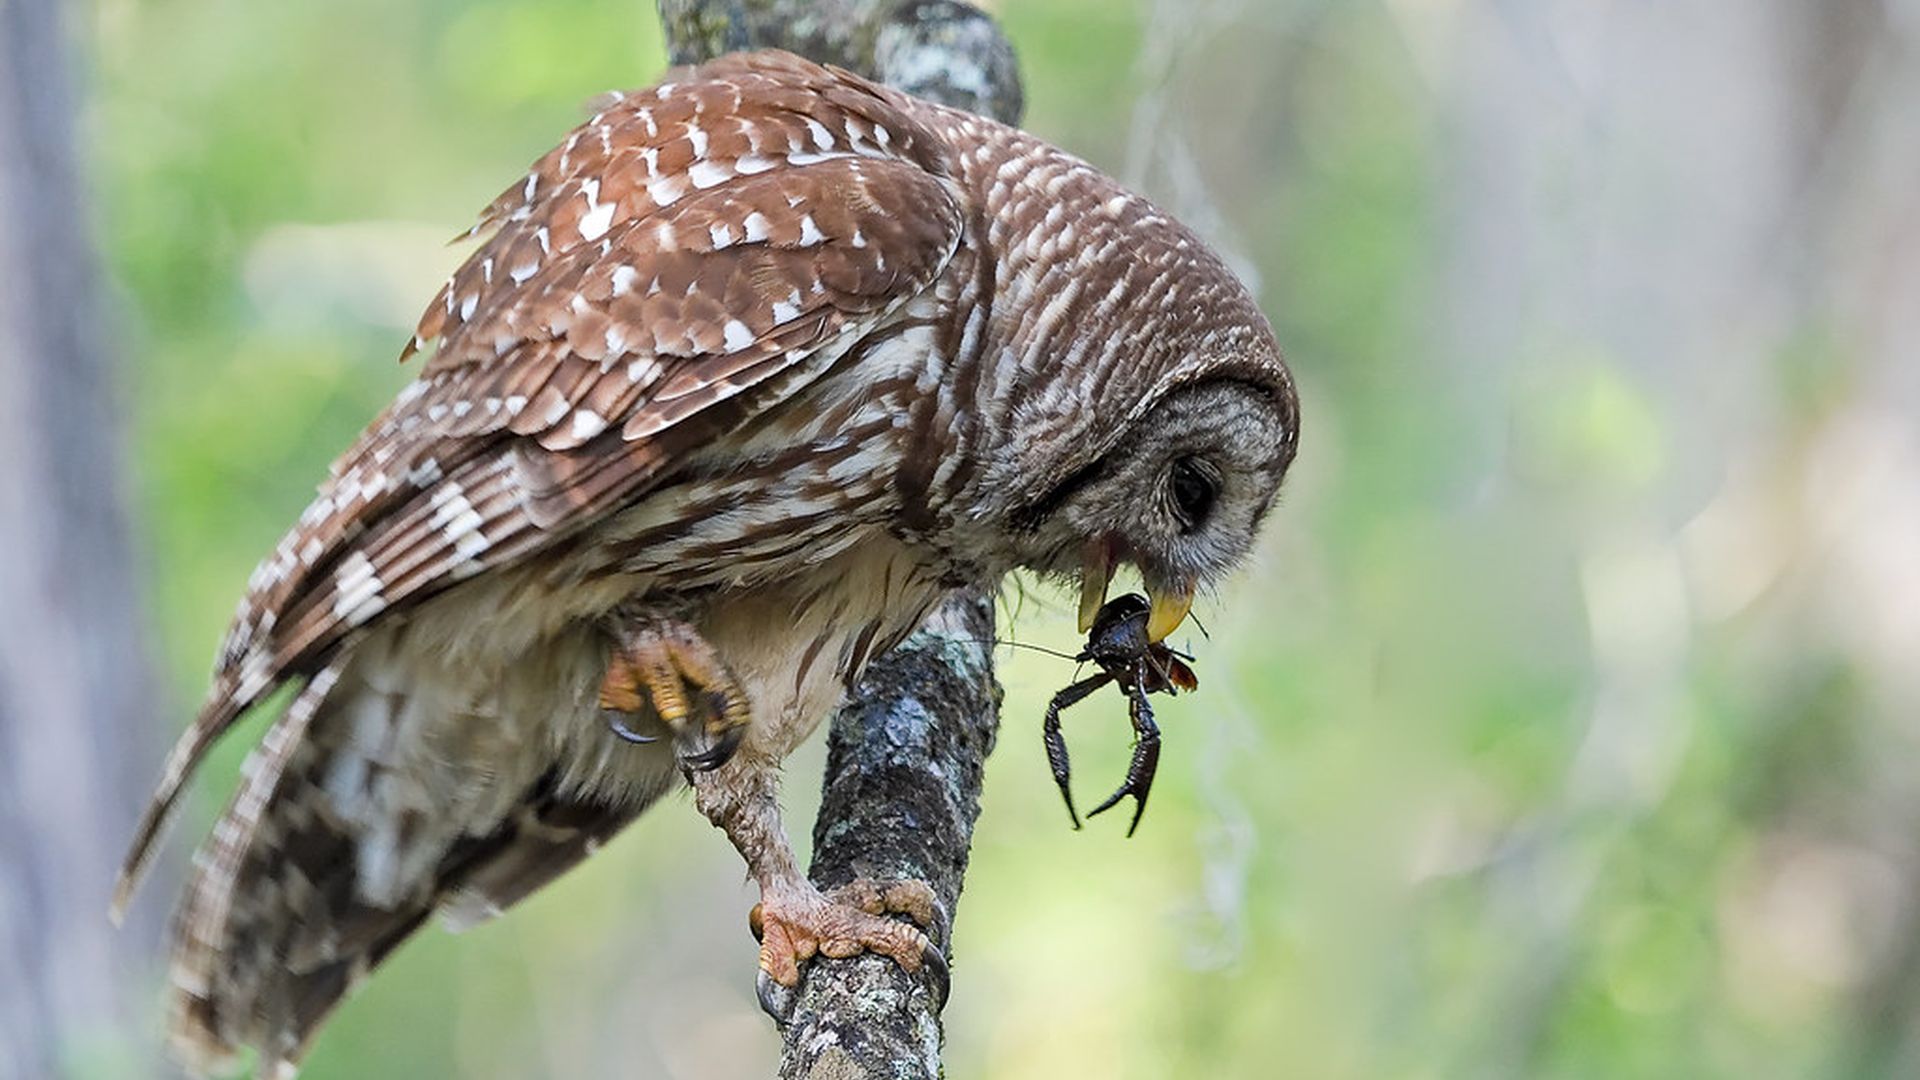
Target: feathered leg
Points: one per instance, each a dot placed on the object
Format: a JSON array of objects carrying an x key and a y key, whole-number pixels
[{"x": 794, "y": 920}]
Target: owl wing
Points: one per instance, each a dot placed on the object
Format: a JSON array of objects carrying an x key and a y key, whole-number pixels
[{"x": 685, "y": 259}]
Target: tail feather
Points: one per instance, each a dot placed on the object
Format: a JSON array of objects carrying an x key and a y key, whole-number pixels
[
  {"x": 186, "y": 753},
  {"x": 548, "y": 837},
  {"x": 223, "y": 705},
  {"x": 203, "y": 915},
  {"x": 279, "y": 925}
]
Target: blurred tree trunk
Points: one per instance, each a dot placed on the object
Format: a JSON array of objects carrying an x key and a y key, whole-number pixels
[
  {"x": 74, "y": 680},
  {"x": 905, "y": 755}
]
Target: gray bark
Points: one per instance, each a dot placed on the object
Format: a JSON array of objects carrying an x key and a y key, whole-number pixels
[
  {"x": 940, "y": 50},
  {"x": 905, "y": 755},
  {"x": 904, "y": 763},
  {"x": 74, "y": 681}
]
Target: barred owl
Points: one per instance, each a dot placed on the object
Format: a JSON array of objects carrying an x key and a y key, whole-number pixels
[{"x": 751, "y": 370}]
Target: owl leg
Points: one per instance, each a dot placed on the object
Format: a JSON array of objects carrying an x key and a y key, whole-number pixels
[
  {"x": 664, "y": 668},
  {"x": 796, "y": 921}
]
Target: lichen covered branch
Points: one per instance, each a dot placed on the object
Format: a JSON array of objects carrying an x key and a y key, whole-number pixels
[{"x": 904, "y": 761}]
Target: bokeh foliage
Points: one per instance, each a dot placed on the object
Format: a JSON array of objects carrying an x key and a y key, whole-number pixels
[{"x": 1558, "y": 728}]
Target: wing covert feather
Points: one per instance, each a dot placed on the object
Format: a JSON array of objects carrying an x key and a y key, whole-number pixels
[{"x": 688, "y": 257}]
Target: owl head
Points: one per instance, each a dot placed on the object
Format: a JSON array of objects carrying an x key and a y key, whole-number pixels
[
  {"x": 1151, "y": 417},
  {"x": 1179, "y": 495}
]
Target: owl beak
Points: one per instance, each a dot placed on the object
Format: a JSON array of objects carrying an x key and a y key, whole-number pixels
[
  {"x": 1169, "y": 607},
  {"x": 1096, "y": 573}
]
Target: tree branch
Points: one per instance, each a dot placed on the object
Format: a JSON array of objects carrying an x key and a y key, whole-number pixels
[
  {"x": 904, "y": 757},
  {"x": 941, "y": 50},
  {"x": 904, "y": 761}
]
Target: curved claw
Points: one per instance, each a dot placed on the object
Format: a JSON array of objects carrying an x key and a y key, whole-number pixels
[
  {"x": 1145, "y": 762},
  {"x": 664, "y": 670},
  {"x": 775, "y": 1000},
  {"x": 1057, "y": 758},
  {"x": 1138, "y": 791},
  {"x": 617, "y": 723},
  {"x": 714, "y": 754},
  {"x": 1056, "y": 743},
  {"x": 939, "y": 977}
]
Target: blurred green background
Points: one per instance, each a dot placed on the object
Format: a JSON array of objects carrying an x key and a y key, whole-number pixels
[{"x": 1563, "y": 726}]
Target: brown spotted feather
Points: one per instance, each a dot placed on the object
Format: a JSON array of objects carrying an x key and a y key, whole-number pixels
[{"x": 629, "y": 305}]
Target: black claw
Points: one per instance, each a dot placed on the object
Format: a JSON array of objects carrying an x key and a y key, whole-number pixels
[
  {"x": 940, "y": 919},
  {"x": 938, "y": 976},
  {"x": 617, "y": 723},
  {"x": 1118, "y": 642},
  {"x": 1145, "y": 761},
  {"x": 1138, "y": 790},
  {"x": 1057, "y": 758},
  {"x": 715, "y": 754},
  {"x": 775, "y": 1000},
  {"x": 1057, "y": 744}
]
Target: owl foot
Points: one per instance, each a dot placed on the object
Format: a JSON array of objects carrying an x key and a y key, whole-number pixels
[
  {"x": 663, "y": 668},
  {"x": 796, "y": 922}
]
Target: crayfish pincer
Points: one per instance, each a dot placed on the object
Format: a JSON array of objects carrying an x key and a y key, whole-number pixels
[{"x": 1119, "y": 645}]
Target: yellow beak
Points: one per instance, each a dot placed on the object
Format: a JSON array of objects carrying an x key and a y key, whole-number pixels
[
  {"x": 1168, "y": 610},
  {"x": 1167, "y": 607}
]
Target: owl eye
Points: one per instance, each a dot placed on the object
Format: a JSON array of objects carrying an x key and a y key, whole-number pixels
[{"x": 1193, "y": 492}]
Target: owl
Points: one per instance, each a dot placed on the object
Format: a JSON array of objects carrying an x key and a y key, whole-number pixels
[{"x": 749, "y": 372}]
